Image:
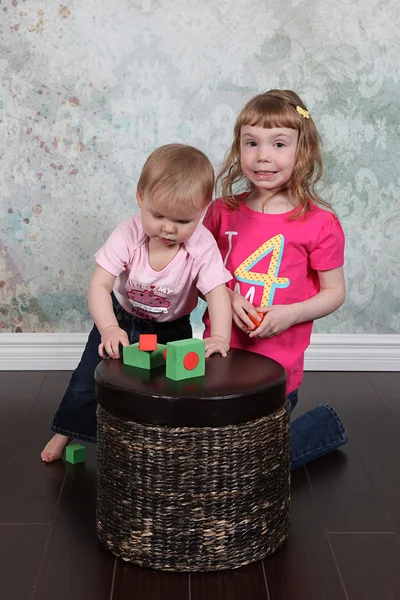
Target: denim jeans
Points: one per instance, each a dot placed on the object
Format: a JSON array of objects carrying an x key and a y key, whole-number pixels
[
  {"x": 317, "y": 432},
  {"x": 76, "y": 415}
]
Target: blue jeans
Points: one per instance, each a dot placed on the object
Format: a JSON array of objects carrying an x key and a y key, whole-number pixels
[
  {"x": 317, "y": 432},
  {"x": 76, "y": 415}
]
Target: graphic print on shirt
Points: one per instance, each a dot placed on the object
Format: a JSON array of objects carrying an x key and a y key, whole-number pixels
[
  {"x": 146, "y": 301},
  {"x": 269, "y": 280}
]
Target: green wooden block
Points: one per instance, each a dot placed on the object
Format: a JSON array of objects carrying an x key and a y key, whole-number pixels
[
  {"x": 75, "y": 453},
  {"x": 142, "y": 358},
  {"x": 182, "y": 356}
]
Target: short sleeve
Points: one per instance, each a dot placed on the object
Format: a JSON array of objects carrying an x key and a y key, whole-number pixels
[
  {"x": 118, "y": 250},
  {"x": 212, "y": 219},
  {"x": 209, "y": 266},
  {"x": 328, "y": 252}
]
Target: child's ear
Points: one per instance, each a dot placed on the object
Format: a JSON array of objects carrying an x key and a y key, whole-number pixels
[{"x": 139, "y": 196}]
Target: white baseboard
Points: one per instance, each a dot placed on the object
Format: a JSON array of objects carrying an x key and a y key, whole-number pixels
[
  {"x": 353, "y": 352},
  {"x": 327, "y": 352},
  {"x": 41, "y": 351}
]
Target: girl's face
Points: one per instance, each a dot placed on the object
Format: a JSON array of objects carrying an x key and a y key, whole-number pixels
[
  {"x": 267, "y": 156},
  {"x": 165, "y": 226}
]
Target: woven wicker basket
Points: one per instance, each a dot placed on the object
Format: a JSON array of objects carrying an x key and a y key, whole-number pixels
[{"x": 193, "y": 498}]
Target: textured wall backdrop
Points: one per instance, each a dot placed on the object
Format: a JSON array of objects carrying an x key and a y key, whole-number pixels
[{"x": 90, "y": 87}]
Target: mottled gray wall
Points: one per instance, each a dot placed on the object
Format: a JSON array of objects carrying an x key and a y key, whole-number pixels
[{"x": 89, "y": 88}]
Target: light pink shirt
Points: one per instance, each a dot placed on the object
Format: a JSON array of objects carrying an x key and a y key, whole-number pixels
[
  {"x": 275, "y": 260},
  {"x": 160, "y": 295}
]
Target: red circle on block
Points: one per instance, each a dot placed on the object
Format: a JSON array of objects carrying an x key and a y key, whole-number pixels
[
  {"x": 191, "y": 361},
  {"x": 165, "y": 354}
]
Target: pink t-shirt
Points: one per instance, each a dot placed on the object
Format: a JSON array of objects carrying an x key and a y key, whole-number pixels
[
  {"x": 160, "y": 295},
  {"x": 276, "y": 260}
]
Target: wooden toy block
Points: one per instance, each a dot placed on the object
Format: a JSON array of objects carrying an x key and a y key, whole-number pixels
[
  {"x": 148, "y": 341},
  {"x": 254, "y": 320},
  {"x": 134, "y": 357},
  {"x": 75, "y": 453},
  {"x": 186, "y": 359}
]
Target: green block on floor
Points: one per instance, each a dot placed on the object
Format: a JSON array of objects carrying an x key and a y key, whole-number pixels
[
  {"x": 75, "y": 453},
  {"x": 186, "y": 359},
  {"x": 143, "y": 359}
]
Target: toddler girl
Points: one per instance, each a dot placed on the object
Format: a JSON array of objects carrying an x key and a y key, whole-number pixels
[{"x": 148, "y": 277}]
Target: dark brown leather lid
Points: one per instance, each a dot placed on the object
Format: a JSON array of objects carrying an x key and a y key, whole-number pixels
[{"x": 242, "y": 387}]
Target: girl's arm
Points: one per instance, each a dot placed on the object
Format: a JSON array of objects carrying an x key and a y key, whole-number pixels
[
  {"x": 101, "y": 309},
  {"x": 220, "y": 313},
  {"x": 331, "y": 295},
  {"x": 280, "y": 317}
]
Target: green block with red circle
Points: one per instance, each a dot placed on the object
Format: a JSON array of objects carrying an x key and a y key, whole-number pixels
[{"x": 185, "y": 359}]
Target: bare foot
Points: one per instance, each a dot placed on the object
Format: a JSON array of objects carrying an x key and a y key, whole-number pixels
[{"x": 54, "y": 448}]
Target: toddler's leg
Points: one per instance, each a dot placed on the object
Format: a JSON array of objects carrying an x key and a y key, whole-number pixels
[{"x": 76, "y": 415}]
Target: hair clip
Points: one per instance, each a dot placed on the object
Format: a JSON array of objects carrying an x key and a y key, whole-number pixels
[{"x": 304, "y": 113}]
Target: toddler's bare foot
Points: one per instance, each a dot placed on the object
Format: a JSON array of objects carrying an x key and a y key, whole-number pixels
[{"x": 54, "y": 448}]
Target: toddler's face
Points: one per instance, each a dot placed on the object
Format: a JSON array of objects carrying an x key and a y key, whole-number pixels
[
  {"x": 168, "y": 226},
  {"x": 267, "y": 156}
]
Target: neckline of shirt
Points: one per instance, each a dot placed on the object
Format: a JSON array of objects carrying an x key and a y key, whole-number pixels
[
  {"x": 251, "y": 211},
  {"x": 168, "y": 267}
]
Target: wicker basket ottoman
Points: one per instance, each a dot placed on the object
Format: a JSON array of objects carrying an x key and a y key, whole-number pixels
[{"x": 193, "y": 475}]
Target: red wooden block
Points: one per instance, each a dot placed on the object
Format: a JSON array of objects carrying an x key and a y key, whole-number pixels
[{"x": 148, "y": 342}]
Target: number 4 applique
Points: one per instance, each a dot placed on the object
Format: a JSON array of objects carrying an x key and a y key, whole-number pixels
[{"x": 268, "y": 280}]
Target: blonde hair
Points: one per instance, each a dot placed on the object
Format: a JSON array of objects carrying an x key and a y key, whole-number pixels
[
  {"x": 178, "y": 175},
  {"x": 278, "y": 108}
]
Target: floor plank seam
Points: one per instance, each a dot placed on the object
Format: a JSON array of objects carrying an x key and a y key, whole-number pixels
[
  {"x": 383, "y": 402},
  {"x": 23, "y": 430},
  {"x": 327, "y": 536},
  {"x": 48, "y": 538},
  {"x": 381, "y": 500},
  {"x": 362, "y": 533},
  {"x": 19, "y": 523},
  {"x": 265, "y": 580},
  {"x": 2, "y": 479},
  {"x": 113, "y": 579}
]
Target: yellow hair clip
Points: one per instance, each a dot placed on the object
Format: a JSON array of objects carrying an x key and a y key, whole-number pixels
[{"x": 302, "y": 112}]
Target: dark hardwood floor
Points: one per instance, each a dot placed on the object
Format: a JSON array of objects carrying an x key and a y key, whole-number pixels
[{"x": 345, "y": 519}]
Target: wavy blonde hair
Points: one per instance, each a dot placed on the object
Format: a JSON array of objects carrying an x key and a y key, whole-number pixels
[{"x": 277, "y": 108}]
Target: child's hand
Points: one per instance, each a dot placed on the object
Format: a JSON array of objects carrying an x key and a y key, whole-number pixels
[
  {"x": 111, "y": 338},
  {"x": 215, "y": 344},
  {"x": 240, "y": 308},
  {"x": 277, "y": 318}
]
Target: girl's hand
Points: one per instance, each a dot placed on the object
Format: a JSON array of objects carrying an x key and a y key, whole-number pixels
[
  {"x": 215, "y": 344},
  {"x": 111, "y": 338},
  {"x": 277, "y": 318},
  {"x": 240, "y": 308}
]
